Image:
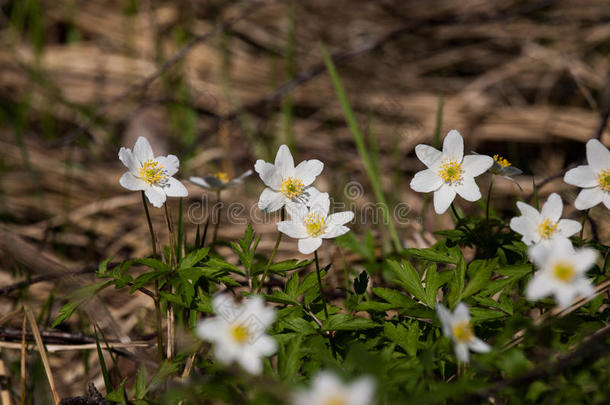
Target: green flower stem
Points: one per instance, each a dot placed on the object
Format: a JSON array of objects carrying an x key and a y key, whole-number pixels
[
  {"x": 156, "y": 299},
  {"x": 324, "y": 302},
  {"x": 217, "y": 224},
  {"x": 170, "y": 308},
  {"x": 491, "y": 184},
  {"x": 268, "y": 265},
  {"x": 582, "y": 226}
]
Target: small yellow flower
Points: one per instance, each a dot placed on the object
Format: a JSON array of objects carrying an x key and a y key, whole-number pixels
[
  {"x": 292, "y": 187},
  {"x": 547, "y": 228},
  {"x": 501, "y": 161},
  {"x": 450, "y": 171}
]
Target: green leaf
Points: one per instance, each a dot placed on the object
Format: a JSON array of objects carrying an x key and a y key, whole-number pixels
[
  {"x": 193, "y": 258},
  {"x": 346, "y": 322},
  {"x": 394, "y": 297},
  {"x": 408, "y": 278},
  {"x": 433, "y": 282},
  {"x": 456, "y": 286},
  {"x": 292, "y": 286},
  {"x": 479, "y": 279},
  {"x": 399, "y": 335},
  {"x": 141, "y": 383},
  {"x": 102, "y": 269},
  {"x": 290, "y": 358},
  {"x": 432, "y": 255},
  {"x": 77, "y": 298}
]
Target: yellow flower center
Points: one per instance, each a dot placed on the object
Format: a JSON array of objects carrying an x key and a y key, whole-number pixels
[
  {"x": 222, "y": 176},
  {"x": 451, "y": 171},
  {"x": 292, "y": 187},
  {"x": 564, "y": 272},
  {"x": 335, "y": 401},
  {"x": 604, "y": 180},
  {"x": 152, "y": 172},
  {"x": 240, "y": 333},
  {"x": 501, "y": 161},
  {"x": 314, "y": 224},
  {"x": 547, "y": 228},
  {"x": 462, "y": 331}
]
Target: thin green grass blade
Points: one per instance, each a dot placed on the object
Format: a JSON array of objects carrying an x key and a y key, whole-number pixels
[{"x": 369, "y": 165}]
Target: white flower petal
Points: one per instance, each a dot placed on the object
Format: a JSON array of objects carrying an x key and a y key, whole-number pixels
[
  {"x": 461, "y": 313},
  {"x": 198, "y": 181},
  {"x": 361, "y": 391},
  {"x": 142, "y": 150},
  {"x": 131, "y": 182},
  {"x": 340, "y": 218},
  {"x": 443, "y": 197},
  {"x": 477, "y": 345},
  {"x": 240, "y": 179},
  {"x": 426, "y": 181},
  {"x": 540, "y": 253},
  {"x": 265, "y": 345},
  {"x": 539, "y": 286},
  {"x": 428, "y": 155},
  {"x": 308, "y": 170},
  {"x": 525, "y": 227},
  {"x": 309, "y": 245},
  {"x": 297, "y": 212},
  {"x": 581, "y": 176},
  {"x": 211, "y": 329},
  {"x": 269, "y": 174},
  {"x": 284, "y": 162},
  {"x": 294, "y": 229},
  {"x": 588, "y": 197},
  {"x": 583, "y": 287},
  {"x": 598, "y": 156},
  {"x": 475, "y": 165},
  {"x": 606, "y": 200},
  {"x": 529, "y": 212},
  {"x": 567, "y": 228},
  {"x": 445, "y": 317},
  {"x": 335, "y": 231},
  {"x": 584, "y": 259},
  {"x": 453, "y": 146},
  {"x": 170, "y": 164},
  {"x": 461, "y": 352},
  {"x": 255, "y": 306},
  {"x": 271, "y": 201},
  {"x": 564, "y": 295},
  {"x": 468, "y": 189},
  {"x": 510, "y": 171},
  {"x": 174, "y": 188},
  {"x": 155, "y": 195},
  {"x": 552, "y": 208},
  {"x": 320, "y": 204},
  {"x": 130, "y": 162},
  {"x": 250, "y": 362}
]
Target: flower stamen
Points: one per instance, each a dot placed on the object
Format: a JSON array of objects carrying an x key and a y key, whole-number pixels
[
  {"x": 152, "y": 172},
  {"x": 501, "y": 161},
  {"x": 240, "y": 333},
  {"x": 222, "y": 176},
  {"x": 451, "y": 171},
  {"x": 564, "y": 272},
  {"x": 462, "y": 331},
  {"x": 292, "y": 187},
  {"x": 604, "y": 180},
  {"x": 547, "y": 228},
  {"x": 314, "y": 224}
]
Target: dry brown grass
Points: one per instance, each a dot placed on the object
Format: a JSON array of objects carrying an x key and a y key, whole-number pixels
[{"x": 529, "y": 80}]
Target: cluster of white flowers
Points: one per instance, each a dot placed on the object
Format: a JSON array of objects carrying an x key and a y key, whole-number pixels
[{"x": 290, "y": 187}]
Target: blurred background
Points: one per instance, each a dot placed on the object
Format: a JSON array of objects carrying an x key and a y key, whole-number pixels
[{"x": 223, "y": 83}]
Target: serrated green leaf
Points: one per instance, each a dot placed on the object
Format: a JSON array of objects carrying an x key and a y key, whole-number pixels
[
  {"x": 347, "y": 322},
  {"x": 432, "y": 255},
  {"x": 456, "y": 286},
  {"x": 408, "y": 278},
  {"x": 193, "y": 258}
]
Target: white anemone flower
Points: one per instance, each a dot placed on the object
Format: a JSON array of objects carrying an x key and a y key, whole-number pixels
[
  {"x": 458, "y": 327},
  {"x": 219, "y": 180},
  {"x": 562, "y": 272},
  {"x": 594, "y": 178},
  {"x": 287, "y": 184},
  {"x": 328, "y": 389},
  {"x": 238, "y": 332},
  {"x": 540, "y": 227},
  {"x": 151, "y": 174},
  {"x": 311, "y": 225},
  {"x": 449, "y": 172}
]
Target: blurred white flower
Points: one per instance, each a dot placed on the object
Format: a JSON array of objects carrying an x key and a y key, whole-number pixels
[
  {"x": 238, "y": 331},
  {"x": 312, "y": 225},
  {"x": 219, "y": 180},
  {"x": 458, "y": 327},
  {"x": 562, "y": 272},
  {"x": 594, "y": 178},
  {"x": 537, "y": 227},
  {"x": 328, "y": 389},
  {"x": 449, "y": 172},
  {"x": 287, "y": 185},
  {"x": 151, "y": 174}
]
